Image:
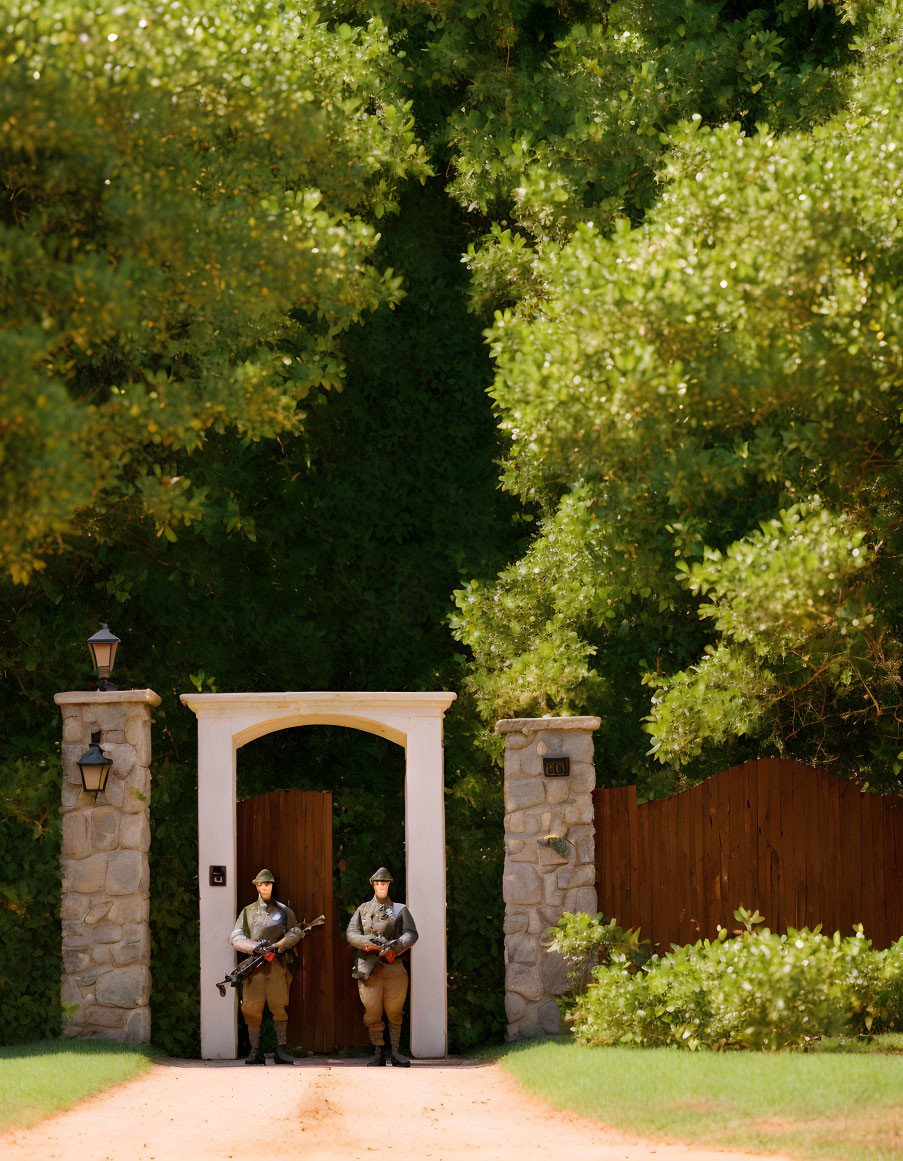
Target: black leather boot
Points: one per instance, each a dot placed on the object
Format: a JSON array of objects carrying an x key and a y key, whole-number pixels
[
  {"x": 379, "y": 1058},
  {"x": 255, "y": 1056},
  {"x": 281, "y": 1055},
  {"x": 395, "y": 1057}
]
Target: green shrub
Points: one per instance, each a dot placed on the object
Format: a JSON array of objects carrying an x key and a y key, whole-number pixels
[
  {"x": 585, "y": 940},
  {"x": 758, "y": 990},
  {"x": 30, "y": 836},
  {"x": 888, "y": 1004}
]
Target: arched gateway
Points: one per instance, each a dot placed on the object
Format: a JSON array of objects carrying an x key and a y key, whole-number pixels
[{"x": 227, "y": 721}]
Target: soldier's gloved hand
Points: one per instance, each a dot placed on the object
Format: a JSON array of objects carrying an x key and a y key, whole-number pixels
[
  {"x": 279, "y": 947},
  {"x": 391, "y": 946}
]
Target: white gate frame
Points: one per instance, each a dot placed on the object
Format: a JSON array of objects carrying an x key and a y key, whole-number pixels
[{"x": 227, "y": 721}]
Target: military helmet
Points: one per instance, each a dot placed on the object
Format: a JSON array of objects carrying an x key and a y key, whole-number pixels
[
  {"x": 264, "y": 876},
  {"x": 381, "y": 876}
]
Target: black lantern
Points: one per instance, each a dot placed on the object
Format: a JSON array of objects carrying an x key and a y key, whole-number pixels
[
  {"x": 94, "y": 766},
  {"x": 103, "y": 653}
]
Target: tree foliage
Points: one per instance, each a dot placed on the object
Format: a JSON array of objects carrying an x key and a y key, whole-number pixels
[
  {"x": 704, "y": 409},
  {"x": 572, "y": 132},
  {"x": 759, "y": 990},
  {"x": 187, "y": 232}
]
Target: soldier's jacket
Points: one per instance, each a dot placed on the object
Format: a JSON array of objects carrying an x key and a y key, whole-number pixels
[
  {"x": 379, "y": 917},
  {"x": 269, "y": 921}
]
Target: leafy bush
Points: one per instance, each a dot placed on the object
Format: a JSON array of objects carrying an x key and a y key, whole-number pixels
[
  {"x": 30, "y": 836},
  {"x": 759, "y": 990},
  {"x": 585, "y": 940}
]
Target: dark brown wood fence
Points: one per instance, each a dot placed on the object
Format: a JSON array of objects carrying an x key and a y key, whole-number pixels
[
  {"x": 290, "y": 831},
  {"x": 801, "y": 845}
]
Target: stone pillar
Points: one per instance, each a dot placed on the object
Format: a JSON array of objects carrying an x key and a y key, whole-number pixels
[
  {"x": 105, "y": 901},
  {"x": 549, "y": 860}
]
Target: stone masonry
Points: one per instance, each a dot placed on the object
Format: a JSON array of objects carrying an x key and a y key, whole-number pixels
[
  {"x": 549, "y": 860},
  {"x": 105, "y": 902}
]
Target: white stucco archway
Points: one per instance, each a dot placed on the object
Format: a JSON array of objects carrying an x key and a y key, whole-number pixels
[{"x": 227, "y": 721}]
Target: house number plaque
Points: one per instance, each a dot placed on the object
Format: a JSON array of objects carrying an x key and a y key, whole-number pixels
[{"x": 555, "y": 766}]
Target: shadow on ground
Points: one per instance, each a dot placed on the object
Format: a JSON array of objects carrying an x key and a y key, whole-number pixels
[{"x": 326, "y": 1062}]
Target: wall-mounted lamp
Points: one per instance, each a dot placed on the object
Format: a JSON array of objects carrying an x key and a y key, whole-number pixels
[
  {"x": 102, "y": 647},
  {"x": 94, "y": 766}
]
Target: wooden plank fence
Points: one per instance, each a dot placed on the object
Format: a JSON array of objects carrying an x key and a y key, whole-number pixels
[{"x": 801, "y": 845}]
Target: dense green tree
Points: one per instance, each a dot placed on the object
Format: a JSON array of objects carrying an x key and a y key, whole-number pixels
[
  {"x": 573, "y": 129},
  {"x": 186, "y": 232},
  {"x": 547, "y": 115},
  {"x": 705, "y": 411}
]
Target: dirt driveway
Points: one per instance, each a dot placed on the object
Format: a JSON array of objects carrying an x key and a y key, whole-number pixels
[{"x": 451, "y": 1110}]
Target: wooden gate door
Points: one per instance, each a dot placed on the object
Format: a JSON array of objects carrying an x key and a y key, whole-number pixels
[{"x": 290, "y": 831}]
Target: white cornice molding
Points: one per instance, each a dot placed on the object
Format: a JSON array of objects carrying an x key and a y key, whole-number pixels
[{"x": 431, "y": 704}]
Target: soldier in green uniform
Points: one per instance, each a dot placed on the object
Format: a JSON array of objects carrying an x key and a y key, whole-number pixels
[
  {"x": 276, "y": 923},
  {"x": 381, "y": 930}
]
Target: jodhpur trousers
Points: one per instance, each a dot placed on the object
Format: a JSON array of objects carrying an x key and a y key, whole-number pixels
[
  {"x": 269, "y": 984},
  {"x": 386, "y": 989}
]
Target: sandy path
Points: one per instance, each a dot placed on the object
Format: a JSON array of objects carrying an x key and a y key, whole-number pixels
[{"x": 445, "y": 1111}]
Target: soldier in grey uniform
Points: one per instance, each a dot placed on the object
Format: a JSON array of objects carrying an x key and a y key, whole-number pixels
[
  {"x": 276, "y": 923},
  {"x": 381, "y": 930}
]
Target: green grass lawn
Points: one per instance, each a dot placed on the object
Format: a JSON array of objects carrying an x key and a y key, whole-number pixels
[
  {"x": 37, "y": 1080},
  {"x": 831, "y": 1105}
]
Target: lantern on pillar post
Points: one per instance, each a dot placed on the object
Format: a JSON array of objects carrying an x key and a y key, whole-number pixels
[
  {"x": 102, "y": 647},
  {"x": 94, "y": 766}
]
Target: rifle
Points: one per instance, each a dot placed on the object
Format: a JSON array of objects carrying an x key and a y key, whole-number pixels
[
  {"x": 385, "y": 947},
  {"x": 264, "y": 952}
]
